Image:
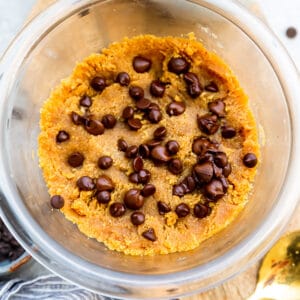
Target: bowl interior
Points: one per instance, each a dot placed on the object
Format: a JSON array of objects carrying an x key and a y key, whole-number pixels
[{"x": 53, "y": 57}]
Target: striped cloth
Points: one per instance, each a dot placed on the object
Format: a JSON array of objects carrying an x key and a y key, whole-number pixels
[{"x": 45, "y": 287}]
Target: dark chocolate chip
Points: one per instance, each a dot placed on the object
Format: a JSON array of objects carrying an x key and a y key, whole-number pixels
[
  {"x": 117, "y": 209},
  {"x": 204, "y": 172},
  {"x": 228, "y": 132},
  {"x": 134, "y": 124},
  {"x": 76, "y": 118},
  {"x": 75, "y": 159},
  {"x": 217, "y": 107},
  {"x": 160, "y": 133},
  {"x": 153, "y": 106},
  {"x": 144, "y": 151},
  {"x": 163, "y": 207},
  {"x": 103, "y": 197},
  {"x": 220, "y": 159},
  {"x": 123, "y": 78},
  {"x": 153, "y": 143},
  {"x": 134, "y": 177},
  {"x": 201, "y": 210},
  {"x": 291, "y": 32},
  {"x": 148, "y": 190},
  {"x": 131, "y": 152},
  {"x": 94, "y": 127},
  {"x": 157, "y": 88},
  {"x": 179, "y": 190},
  {"x": 128, "y": 112},
  {"x": 98, "y": 84},
  {"x": 250, "y": 160},
  {"x": 218, "y": 172},
  {"x": 214, "y": 190},
  {"x": 144, "y": 176},
  {"x": 175, "y": 108},
  {"x": 133, "y": 199},
  {"x": 122, "y": 145},
  {"x": 224, "y": 183},
  {"x": 137, "y": 218},
  {"x": 182, "y": 210},
  {"x": 178, "y": 65},
  {"x": 160, "y": 154},
  {"x": 172, "y": 147},
  {"x": 212, "y": 87},
  {"x": 227, "y": 170},
  {"x": 62, "y": 136},
  {"x": 175, "y": 166},
  {"x": 150, "y": 235},
  {"x": 189, "y": 183},
  {"x": 105, "y": 162},
  {"x": 85, "y": 183},
  {"x": 201, "y": 145},
  {"x": 109, "y": 121},
  {"x": 141, "y": 64},
  {"x": 154, "y": 116},
  {"x": 85, "y": 101},
  {"x": 57, "y": 201},
  {"x": 194, "y": 88},
  {"x": 137, "y": 164},
  {"x": 143, "y": 104},
  {"x": 104, "y": 183},
  {"x": 136, "y": 92},
  {"x": 208, "y": 123}
]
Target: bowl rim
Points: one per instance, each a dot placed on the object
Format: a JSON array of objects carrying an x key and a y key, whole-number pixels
[{"x": 249, "y": 250}]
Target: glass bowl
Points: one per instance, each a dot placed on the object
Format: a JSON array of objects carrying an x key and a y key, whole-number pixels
[{"x": 47, "y": 50}]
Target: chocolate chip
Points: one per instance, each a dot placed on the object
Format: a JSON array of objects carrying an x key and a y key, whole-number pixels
[
  {"x": 57, "y": 201},
  {"x": 157, "y": 88},
  {"x": 133, "y": 199},
  {"x": 103, "y": 197},
  {"x": 75, "y": 159},
  {"x": 204, "y": 172},
  {"x": 218, "y": 172},
  {"x": 122, "y": 145},
  {"x": 201, "y": 145},
  {"x": 214, "y": 190},
  {"x": 123, "y": 78},
  {"x": 194, "y": 88},
  {"x": 131, "y": 152},
  {"x": 250, "y": 160},
  {"x": 85, "y": 101},
  {"x": 208, "y": 123},
  {"x": 137, "y": 218},
  {"x": 94, "y": 127},
  {"x": 175, "y": 166},
  {"x": 154, "y": 116},
  {"x": 212, "y": 87},
  {"x": 172, "y": 147},
  {"x": 178, "y": 190},
  {"x": 144, "y": 176},
  {"x": 201, "y": 211},
  {"x": 62, "y": 136},
  {"x": 144, "y": 151},
  {"x": 141, "y": 64},
  {"x": 105, "y": 162},
  {"x": 134, "y": 177},
  {"x": 104, "y": 183},
  {"x": 160, "y": 133},
  {"x": 153, "y": 143},
  {"x": 137, "y": 164},
  {"x": 224, "y": 183},
  {"x": 189, "y": 184},
  {"x": 154, "y": 106},
  {"x": 291, "y": 32},
  {"x": 175, "y": 108},
  {"x": 163, "y": 207},
  {"x": 76, "y": 118},
  {"x": 178, "y": 65},
  {"x": 98, "y": 84},
  {"x": 217, "y": 107},
  {"x": 85, "y": 183},
  {"x": 109, "y": 121},
  {"x": 128, "y": 112},
  {"x": 228, "y": 132},
  {"x": 150, "y": 235},
  {"x": 160, "y": 154},
  {"x": 182, "y": 210},
  {"x": 220, "y": 159},
  {"x": 134, "y": 124},
  {"x": 227, "y": 170},
  {"x": 143, "y": 104},
  {"x": 148, "y": 190},
  {"x": 117, "y": 209},
  {"x": 136, "y": 92}
]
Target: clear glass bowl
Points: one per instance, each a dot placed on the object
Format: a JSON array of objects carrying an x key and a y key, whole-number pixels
[{"x": 47, "y": 50}]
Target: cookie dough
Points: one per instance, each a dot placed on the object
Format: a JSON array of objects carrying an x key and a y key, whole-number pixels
[{"x": 125, "y": 139}]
